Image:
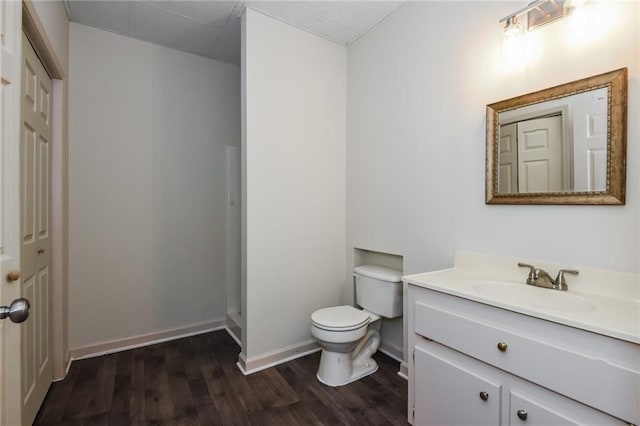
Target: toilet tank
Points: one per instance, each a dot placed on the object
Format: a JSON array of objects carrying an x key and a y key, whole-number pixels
[{"x": 379, "y": 290}]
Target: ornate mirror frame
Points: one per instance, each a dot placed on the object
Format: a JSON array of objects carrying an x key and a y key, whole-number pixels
[{"x": 616, "y": 82}]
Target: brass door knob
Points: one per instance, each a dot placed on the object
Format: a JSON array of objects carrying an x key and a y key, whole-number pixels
[
  {"x": 13, "y": 276},
  {"x": 41, "y": 251},
  {"x": 502, "y": 346}
]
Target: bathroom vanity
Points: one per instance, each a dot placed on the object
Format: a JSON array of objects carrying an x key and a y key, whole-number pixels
[{"x": 487, "y": 349}]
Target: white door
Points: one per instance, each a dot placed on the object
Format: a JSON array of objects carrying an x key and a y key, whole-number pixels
[
  {"x": 540, "y": 155},
  {"x": 508, "y": 159},
  {"x": 10, "y": 333},
  {"x": 590, "y": 142},
  {"x": 35, "y": 142}
]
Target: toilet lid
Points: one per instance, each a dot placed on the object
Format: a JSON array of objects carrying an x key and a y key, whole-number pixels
[{"x": 340, "y": 318}]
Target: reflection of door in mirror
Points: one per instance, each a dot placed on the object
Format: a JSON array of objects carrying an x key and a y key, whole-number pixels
[
  {"x": 590, "y": 142},
  {"x": 540, "y": 155},
  {"x": 555, "y": 146},
  {"x": 530, "y": 158},
  {"x": 508, "y": 167}
]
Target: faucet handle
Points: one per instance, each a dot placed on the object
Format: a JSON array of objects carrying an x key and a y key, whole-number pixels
[
  {"x": 561, "y": 281},
  {"x": 532, "y": 271}
]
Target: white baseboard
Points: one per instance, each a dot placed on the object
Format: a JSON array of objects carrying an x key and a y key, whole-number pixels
[
  {"x": 66, "y": 371},
  {"x": 119, "y": 345},
  {"x": 246, "y": 366},
  {"x": 261, "y": 362},
  {"x": 404, "y": 370},
  {"x": 231, "y": 333},
  {"x": 234, "y": 328},
  {"x": 270, "y": 359},
  {"x": 391, "y": 351}
]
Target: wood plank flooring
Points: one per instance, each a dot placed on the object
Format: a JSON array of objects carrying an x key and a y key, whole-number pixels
[{"x": 194, "y": 381}]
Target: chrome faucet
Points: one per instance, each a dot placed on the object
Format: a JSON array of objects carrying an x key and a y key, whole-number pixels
[{"x": 540, "y": 278}]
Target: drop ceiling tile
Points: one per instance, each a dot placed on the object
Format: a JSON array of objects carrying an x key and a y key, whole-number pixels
[
  {"x": 213, "y": 13},
  {"x": 212, "y": 28},
  {"x": 107, "y": 15},
  {"x": 170, "y": 30},
  {"x": 350, "y": 14},
  {"x": 228, "y": 42},
  {"x": 357, "y": 15},
  {"x": 290, "y": 12},
  {"x": 333, "y": 31}
]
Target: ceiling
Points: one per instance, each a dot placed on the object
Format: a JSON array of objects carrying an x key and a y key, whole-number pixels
[{"x": 212, "y": 28}]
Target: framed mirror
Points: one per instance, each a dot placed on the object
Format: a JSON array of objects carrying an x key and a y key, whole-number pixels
[{"x": 562, "y": 145}]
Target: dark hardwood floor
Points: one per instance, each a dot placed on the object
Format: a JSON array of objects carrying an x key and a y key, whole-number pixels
[{"x": 194, "y": 381}]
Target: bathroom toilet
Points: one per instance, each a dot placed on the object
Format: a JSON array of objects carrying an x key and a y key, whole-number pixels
[{"x": 350, "y": 336}]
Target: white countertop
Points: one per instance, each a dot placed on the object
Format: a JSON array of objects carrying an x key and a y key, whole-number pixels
[{"x": 616, "y": 315}]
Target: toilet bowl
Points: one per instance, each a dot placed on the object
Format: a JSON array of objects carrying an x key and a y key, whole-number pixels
[
  {"x": 339, "y": 330},
  {"x": 349, "y": 336}
]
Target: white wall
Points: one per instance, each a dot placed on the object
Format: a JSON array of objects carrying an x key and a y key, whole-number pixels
[
  {"x": 148, "y": 131},
  {"x": 417, "y": 90},
  {"x": 54, "y": 20},
  {"x": 293, "y": 179}
]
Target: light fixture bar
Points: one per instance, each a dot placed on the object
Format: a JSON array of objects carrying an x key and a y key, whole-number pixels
[
  {"x": 525, "y": 9},
  {"x": 541, "y": 12},
  {"x": 545, "y": 14}
]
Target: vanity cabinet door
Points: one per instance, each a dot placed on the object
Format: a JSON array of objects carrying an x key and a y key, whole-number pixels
[
  {"x": 528, "y": 412},
  {"x": 532, "y": 405},
  {"x": 448, "y": 392}
]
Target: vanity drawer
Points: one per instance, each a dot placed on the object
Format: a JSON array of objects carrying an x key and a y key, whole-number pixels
[{"x": 553, "y": 363}]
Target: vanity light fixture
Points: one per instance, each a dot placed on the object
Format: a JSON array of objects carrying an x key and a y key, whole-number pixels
[
  {"x": 539, "y": 13},
  {"x": 513, "y": 28}
]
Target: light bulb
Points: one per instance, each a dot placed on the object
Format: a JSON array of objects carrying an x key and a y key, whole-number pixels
[
  {"x": 579, "y": 32},
  {"x": 513, "y": 28},
  {"x": 571, "y": 5},
  {"x": 512, "y": 45}
]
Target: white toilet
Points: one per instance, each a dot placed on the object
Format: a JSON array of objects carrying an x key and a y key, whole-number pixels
[{"x": 343, "y": 332}]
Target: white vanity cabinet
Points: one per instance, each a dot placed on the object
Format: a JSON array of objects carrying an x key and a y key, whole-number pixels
[
  {"x": 476, "y": 364},
  {"x": 449, "y": 392}
]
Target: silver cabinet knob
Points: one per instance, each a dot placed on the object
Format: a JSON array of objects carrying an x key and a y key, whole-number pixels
[
  {"x": 522, "y": 414},
  {"x": 484, "y": 396},
  {"x": 18, "y": 311}
]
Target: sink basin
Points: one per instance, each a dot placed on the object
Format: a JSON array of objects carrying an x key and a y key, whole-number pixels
[{"x": 533, "y": 297}]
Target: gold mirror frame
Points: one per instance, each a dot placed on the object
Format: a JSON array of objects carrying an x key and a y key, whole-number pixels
[{"x": 616, "y": 82}]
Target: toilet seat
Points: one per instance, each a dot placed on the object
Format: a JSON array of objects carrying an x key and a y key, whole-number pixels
[{"x": 340, "y": 318}]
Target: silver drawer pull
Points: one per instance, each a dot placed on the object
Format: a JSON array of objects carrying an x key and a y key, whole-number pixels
[
  {"x": 484, "y": 396},
  {"x": 522, "y": 414},
  {"x": 502, "y": 346}
]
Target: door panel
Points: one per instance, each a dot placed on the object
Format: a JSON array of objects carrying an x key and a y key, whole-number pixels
[
  {"x": 28, "y": 181},
  {"x": 508, "y": 177},
  {"x": 590, "y": 143},
  {"x": 43, "y": 209},
  {"x": 540, "y": 159},
  {"x": 36, "y": 245},
  {"x": 10, "y": 233}
]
